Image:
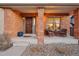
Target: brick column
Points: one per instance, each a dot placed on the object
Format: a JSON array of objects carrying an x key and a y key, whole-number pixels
[
  {"x": 76, "y": 23},
  {"x": 40, "y": 26}
]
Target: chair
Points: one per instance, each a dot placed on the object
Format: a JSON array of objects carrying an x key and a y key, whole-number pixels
[
  {"x": 62, "y": 32},
  {"x": 49, "y": 32}
]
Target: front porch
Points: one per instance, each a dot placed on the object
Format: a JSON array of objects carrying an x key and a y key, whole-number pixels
[{"x": 33, "y": 21}]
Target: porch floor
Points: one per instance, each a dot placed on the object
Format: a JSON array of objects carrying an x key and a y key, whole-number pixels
[
  {"x": 48, "y": 40},
  {"x": 55, "y": 39}
]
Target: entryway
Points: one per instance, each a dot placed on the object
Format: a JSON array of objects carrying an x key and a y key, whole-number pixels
[{"x": 30, "y": 26}]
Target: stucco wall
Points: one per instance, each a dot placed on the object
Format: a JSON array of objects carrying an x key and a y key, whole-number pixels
[
  {"x": 1, "y": 20},
  {"x": 13, "y": 22}
]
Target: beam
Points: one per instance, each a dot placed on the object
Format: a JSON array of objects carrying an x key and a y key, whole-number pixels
[{"x": 46, "y": 14}]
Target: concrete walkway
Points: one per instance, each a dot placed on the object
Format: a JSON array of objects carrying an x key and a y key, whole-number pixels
[
  {"x": 13, "y": 51},
  {"x": 19, "y": 46}
]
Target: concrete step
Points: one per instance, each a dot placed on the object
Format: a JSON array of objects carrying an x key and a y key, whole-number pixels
[
  {"x": 13, "y": 51},
  {"x": 21, "y": 43}
]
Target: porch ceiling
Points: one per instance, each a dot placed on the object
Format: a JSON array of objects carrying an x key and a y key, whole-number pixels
[{"x": 32, "y": 8}]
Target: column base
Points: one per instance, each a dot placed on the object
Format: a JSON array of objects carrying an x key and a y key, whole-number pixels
[{"x": 40, "y": 40}]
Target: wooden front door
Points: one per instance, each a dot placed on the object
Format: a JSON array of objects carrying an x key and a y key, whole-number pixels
[{"x": 29, "y": 21}]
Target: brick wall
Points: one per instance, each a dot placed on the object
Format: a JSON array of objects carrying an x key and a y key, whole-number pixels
[
  {"x": 76, "y": 23},
  {"x": 13, "y": 22}
]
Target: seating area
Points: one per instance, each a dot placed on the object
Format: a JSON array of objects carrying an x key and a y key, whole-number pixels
[{"x": 61, "y": 32}]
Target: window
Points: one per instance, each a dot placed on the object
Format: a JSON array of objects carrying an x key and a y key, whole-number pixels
[{"x": 53, "y": 23}]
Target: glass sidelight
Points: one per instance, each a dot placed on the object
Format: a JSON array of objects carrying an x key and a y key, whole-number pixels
[{"x": 33, "y": 26}]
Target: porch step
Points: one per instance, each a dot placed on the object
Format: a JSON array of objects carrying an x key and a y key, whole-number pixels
[
  {"x": 20, "y": 41},
  {"x": 13, "y": 51},
  {"x": 29, "y": 35}
]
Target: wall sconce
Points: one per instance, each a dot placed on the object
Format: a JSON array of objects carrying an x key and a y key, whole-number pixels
[{"x": 23, "y": 18}]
